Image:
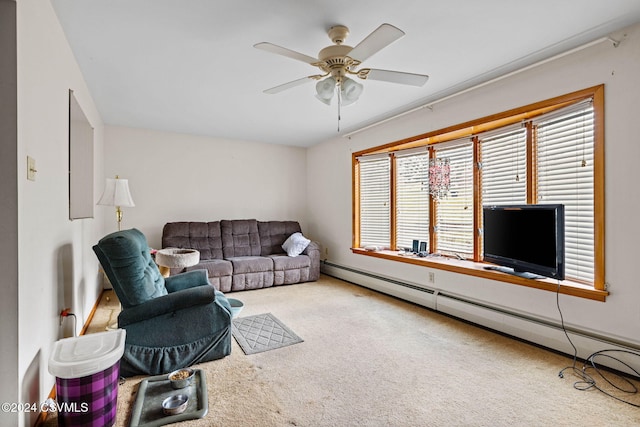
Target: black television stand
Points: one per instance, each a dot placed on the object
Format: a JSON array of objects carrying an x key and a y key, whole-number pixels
[{"x": 509, "y": 270}]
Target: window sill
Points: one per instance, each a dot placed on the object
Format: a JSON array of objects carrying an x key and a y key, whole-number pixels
[{"x": 471, "y": 268}]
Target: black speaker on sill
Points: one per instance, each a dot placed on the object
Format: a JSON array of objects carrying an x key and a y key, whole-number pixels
[
  {"x": 414, "y": 248},
  {"x": 423, "y": 246}
]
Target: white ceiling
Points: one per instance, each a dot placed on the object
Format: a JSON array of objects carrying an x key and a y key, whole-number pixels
[{"x": 189, "y": 66}]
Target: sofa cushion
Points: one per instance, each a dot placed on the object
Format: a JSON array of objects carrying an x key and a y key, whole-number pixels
[
  {"x": 206, "y": 237},
  {"x": 274, "y": 233},
  {"x": 251, "y": 264},
  {"x": 285, "y": 262},
  {"x": 251, "y": 272},
  {"x": 289, "y": 270},
  {"x": 240, "y": 238},
  {"x": 214, "y": 267}
]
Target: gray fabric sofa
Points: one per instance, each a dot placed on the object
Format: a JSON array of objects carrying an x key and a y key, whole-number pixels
[{"x": 244, "y": 254}]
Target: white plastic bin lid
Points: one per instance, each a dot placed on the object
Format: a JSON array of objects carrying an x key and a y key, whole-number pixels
[{"x": 77, "y": 357}]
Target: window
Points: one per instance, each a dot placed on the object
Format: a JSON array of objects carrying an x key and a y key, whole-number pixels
[
  {"x": 412, "y": 198},
  {"x": 454, "y": 212},
  {"x": 565, "y": 175},
  {"x": 548, "y": 152},
  {"x": 374, "y": 202},
  {"x": 504, "y": 167}
]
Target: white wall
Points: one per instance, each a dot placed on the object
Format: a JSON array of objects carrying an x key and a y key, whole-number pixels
[
  {"x": 56, "y": 266},
  {"x": 618, "y": 68},
  {"x": 178, "y": 177}
]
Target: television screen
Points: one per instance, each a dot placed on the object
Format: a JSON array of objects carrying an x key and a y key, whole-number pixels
[{"x": 526, "y": 238}]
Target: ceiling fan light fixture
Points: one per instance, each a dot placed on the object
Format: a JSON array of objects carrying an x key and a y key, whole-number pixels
[
  {"x": 325, "y": 90},
  {"x": 350, "y": 91},
  {"x": 326, "y": 101}
]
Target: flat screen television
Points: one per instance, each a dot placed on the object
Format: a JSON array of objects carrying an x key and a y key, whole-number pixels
[{"x": 529, "y": 239}]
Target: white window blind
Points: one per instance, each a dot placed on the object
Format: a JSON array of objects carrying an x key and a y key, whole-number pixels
[
  {"x": 412, "y": 198},
  {"x": 565, "y": 175},
  {"x": 504, "y": 167},
  {"x": 375, "y": 222},
  {"x": 454, "y": 213}
]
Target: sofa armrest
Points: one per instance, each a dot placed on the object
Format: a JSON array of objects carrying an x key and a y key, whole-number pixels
[
  {"x": 312, "y": 247},
  {"x": 178, "y": 300},
  {"x": 186, "y": 280},
  {"x": 313, "y": 252}
]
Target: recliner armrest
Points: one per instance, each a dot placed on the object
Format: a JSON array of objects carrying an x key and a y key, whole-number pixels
[
  {"x": 186, "y": 280},
  {"x": 178, "y": 300}
]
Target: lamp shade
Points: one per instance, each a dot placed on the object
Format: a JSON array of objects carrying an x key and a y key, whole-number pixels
[
  {"x": 116, "y": 193},
  {"x": 325, "y": 89},
  {"x": 350, "y": 91}
]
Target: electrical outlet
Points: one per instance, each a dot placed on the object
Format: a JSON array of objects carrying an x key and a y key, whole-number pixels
[{"x": 432, "y": 277}]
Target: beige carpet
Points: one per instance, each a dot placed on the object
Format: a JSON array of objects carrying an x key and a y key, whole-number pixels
[{"x": 371, "y": 360}]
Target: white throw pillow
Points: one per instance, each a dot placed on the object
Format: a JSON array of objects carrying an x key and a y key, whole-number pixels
[{"x": 295, "y": 244}]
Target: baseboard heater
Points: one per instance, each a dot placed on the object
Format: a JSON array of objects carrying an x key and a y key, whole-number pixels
[
  {"x": 544, "y": 332},
  {"x": 408, "y": 291}
]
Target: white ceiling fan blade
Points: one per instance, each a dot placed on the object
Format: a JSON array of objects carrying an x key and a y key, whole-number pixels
[
  {"x": 289, "y": 85},
  {"x": 380, "y": 38},
  {"x": 270, "y": 47},
  {"x": 397, "y": 77}
]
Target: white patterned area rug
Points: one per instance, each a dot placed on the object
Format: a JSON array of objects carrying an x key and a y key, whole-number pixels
[{"x": 262, "y": 332}]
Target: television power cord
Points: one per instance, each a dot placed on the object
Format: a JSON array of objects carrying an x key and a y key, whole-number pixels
[{"x": 588, "y": 381}]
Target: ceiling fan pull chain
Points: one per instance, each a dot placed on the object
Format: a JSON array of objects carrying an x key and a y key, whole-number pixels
[{"x": 339, "y": 104}]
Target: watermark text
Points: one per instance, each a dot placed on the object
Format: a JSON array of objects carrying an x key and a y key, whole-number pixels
[{"x": 49, "y": 405}]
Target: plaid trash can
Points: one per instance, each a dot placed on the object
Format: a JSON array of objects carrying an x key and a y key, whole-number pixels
[{"x": 87, "y": 370}]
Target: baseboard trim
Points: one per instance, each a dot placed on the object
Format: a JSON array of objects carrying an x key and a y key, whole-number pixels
[{"x": 412, "y": 292}]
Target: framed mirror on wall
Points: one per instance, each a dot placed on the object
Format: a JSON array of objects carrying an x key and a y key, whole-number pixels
[{"x": 80, "y": 162}]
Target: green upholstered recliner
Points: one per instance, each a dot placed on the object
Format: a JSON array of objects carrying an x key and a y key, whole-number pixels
[{"x": 171, "y": 323}]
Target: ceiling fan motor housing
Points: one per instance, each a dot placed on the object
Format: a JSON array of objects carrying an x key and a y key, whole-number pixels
[{"x": 334, "y": 60}]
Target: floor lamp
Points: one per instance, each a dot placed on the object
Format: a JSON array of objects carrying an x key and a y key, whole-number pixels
[{"x": 116, "y": 193}]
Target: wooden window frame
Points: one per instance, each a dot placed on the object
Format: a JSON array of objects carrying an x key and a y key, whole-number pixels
[{"x": 597, "y": 290}]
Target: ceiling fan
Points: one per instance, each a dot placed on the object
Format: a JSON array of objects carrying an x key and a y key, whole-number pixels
[{"x": 338, "y": 61}]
